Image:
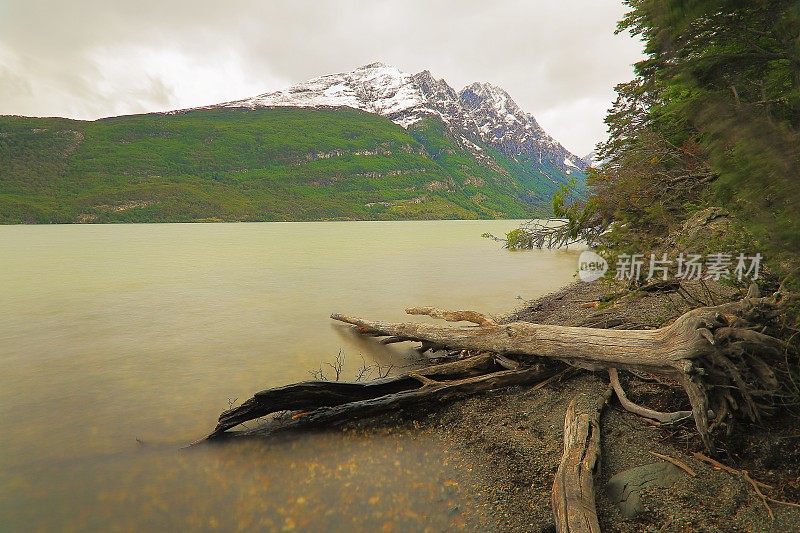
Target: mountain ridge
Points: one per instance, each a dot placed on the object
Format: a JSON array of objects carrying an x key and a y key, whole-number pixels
[
  {"x": 479, "y": 111},
  {"x": 372, "y": 144}
]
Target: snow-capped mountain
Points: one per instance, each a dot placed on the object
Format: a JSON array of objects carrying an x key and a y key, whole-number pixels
[
  {"x": 593, "y": 160},
  {"x": 375, "y": 143},
  {"x": 504, "y": 125},
  {"x": 479, "y": 113},
  {"x": 376, "y": 88}
]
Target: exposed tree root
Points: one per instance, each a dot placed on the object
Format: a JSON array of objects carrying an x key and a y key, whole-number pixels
[
  {"x": 723, "y": 357},
  {"x": 664, "y": 418},
  {"x": 680, "y": 464},
  {"x": 756, "y": 485}
]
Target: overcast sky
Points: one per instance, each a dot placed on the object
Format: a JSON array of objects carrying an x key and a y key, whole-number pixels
[{"x": 559, "y": 59}]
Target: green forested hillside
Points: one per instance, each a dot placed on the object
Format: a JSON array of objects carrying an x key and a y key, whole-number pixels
[
  {"x": 248, "y": 165},
  {"x": 709, "y": 128}
]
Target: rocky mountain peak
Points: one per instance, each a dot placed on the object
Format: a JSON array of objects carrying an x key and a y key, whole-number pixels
[
  {"x": 479, "y": 113},
  {"x": 376, "y": 64},
  {"x": 433, "y": 90},
  {"x": 486, "y": 92}
]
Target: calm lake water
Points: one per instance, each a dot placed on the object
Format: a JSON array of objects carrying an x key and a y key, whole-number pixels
[{"x": 114, "y": 333}]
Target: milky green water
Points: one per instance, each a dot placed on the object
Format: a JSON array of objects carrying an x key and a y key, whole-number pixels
[{"x": 113, "y": 333}]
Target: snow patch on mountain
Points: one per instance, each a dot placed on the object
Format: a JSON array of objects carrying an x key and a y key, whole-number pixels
[
  {"x": 593, "y": 160},
  {"x": 504, "y": 125},
  {"x": 376, "y": 88},
  {"x": 479, "y": 113}
]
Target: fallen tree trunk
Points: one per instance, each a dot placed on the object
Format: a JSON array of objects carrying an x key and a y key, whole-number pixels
[
  {"x": 328, "y": 403},
  {"x": 573, "y": 487},
  {"x": 714, "y": 352}
]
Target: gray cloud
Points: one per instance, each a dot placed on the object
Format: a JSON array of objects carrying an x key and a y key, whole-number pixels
[{"x": 93, "y": 58}]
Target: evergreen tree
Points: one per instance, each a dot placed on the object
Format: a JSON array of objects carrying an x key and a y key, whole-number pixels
[{"x": 712, "y": 118}]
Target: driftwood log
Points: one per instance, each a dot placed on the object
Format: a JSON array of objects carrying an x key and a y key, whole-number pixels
[
  {"x": 573, "y": 486},
  {"x": 719, "y": 354},
  {"x": 328, "y": 403}
]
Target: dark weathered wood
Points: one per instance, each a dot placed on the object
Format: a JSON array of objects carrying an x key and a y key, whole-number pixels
[
  {"x": 327, "y": 403},
  {"x": 573, "y": 487}
]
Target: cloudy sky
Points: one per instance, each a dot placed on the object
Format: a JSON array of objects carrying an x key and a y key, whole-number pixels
[{"x": 93, "y": 58}]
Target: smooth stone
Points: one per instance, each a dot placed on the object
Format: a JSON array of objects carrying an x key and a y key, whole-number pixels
[{"x": 624, "y": 489}]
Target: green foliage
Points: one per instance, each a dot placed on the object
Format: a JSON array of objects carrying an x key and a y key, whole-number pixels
[
  {"x": 517, "y": 239},
  {"x": 712, "y": 119},
  {"x": 234, "y": 164},
  {"x": 581, "y": 216}
]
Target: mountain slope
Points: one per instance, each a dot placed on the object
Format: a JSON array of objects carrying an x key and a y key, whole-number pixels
[
  {"x": 229, "y": 164},
  {"x": 372, "y": 144},
  {"x": 480, "y": 112}
]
